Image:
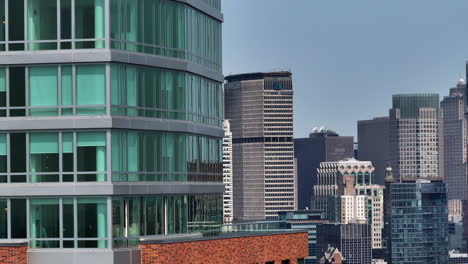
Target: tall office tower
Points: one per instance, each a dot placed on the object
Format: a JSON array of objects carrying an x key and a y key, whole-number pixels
[
  {"x": 353, "y": 240},
  {"x": 260, "y": 108},
  {"x": 375, "y": 211},
  {"x": 373, "y": 138},
  {"x": 414, "y": 136},
  {"x": 227, "y": 173},
  {"x": 346, "y": 192},
  {"x": 387, "y": 209},
  {"x": 111, "y": 124},
  {"x": 335, "y": 179},
  {"x": 322, "y": 145},
  {"x": 419, "y": 222},
  {"x": 455, "y": 142}
]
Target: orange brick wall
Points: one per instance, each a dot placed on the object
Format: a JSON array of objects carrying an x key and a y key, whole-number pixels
[
  {"x": 245, "y": 250},
  {"x": 14, "y": 255}
]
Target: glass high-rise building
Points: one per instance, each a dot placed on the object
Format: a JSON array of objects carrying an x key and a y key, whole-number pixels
[
  {"x": 110, "y": 124},
  {"x": 419, "y": 222}
]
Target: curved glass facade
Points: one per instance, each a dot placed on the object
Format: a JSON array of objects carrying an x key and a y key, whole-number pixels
[
  {"x": 159, "y": 27},
  {"x": 82, "y": 222},
  {"x": 176, "y": 30},
  {"x": 80, "y": 89},
  {"x": 157, "y": 93},
  {"x": 52, "y": 24},
  {"x": 53, "y": 149},
  {"x": 156, "y": 156},
  {"x": 81, "y": 156}
]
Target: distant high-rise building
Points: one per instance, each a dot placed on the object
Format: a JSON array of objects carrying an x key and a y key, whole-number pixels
[
  {"x": 414, "y": 136},
  {"x": 353, "y": 240},
  {"x": 260, "y": 108},
  {"x": 353, "y": 208},
  {"x": 346, "y": 192},
  {"x": 335, "y": 179},
  {"x": 419, "y": 222},
  {"x": 322, "y": 145},
  {"x": 455, "y": 257},
  {"x": 227, "y": 173},
  {"x": 305, "y": 220},
  {"x": 374, "y": 210},
  {"x": 374, "y": 140},
  {"x": 455, "y": 142},
  {"x": 387, "y": 209}
]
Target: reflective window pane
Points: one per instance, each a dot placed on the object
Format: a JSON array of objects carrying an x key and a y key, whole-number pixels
[
  {"x": 3, "y": 219},
  {"x": 91, "y": 155},
  {"x": 43, "y": 90},
  {"x": 89, "y": 23},
  {"x": 18, "y": 216},
  {"x": 42, "y": 23},
  {"x": 44, "y": 222},
  {"x": 68, "y": 218},
  {"x": 92, "y": 221},
  {"x": 44, "y": 156},
  {"x": 91, "y": 89}
]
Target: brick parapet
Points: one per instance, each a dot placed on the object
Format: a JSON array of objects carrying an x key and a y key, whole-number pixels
[
  {"x": 241, "y": 249},
  {"x": 13, "y": 253}
]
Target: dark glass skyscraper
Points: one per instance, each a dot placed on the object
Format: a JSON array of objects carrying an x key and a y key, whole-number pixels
[
  {"x": 454, "y": 139},
  {"x": 374, "y": 144},
  {"x": 321, "y": 146},
  {"x": 110, "y": 124},
  {"x": 419, "y": 222}
]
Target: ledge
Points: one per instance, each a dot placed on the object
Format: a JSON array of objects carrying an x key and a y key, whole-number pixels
[
  {"x": 107, "y": 122},
  {"x": 205, "y": 8},
  {"x": 170, "y": 240},
  {"x": 14, "y": 243},
  {"x": 107, "y": 189},
  {"x": 106, "y": 55}
]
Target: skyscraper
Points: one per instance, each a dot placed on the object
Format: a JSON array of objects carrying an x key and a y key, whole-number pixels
[
  {"x": 346, "y": 192},
  {"x": 455, "y": 142},
  {"x": 227, "y": 173},
  {"x": 387, "y": 209},
  {"x": 260, "y": 108},
  {"x": 419, "y": 222},
  {"x": 374, "y": 140},
  {"x": 414, "y": 136},
  {"x": 335, "y": 179},
  {"x": 111, "y": 124},
  {"x": 322, "y": 145}
]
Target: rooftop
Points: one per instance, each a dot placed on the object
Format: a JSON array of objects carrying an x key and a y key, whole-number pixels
[
  {"x": 256, "y": 76},
  {"x": 169, "y": 239}
]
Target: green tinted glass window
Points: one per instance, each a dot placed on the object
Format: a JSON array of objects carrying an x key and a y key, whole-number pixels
[
  {"x": 44, "y": 222},
  {"x": 43, "y": 90},
  {"x": 91, "y": 88},
  {"x": 42, "y": 23},
  {"x": 92, "y": 221},
  {"x": 91, "y": 155}
]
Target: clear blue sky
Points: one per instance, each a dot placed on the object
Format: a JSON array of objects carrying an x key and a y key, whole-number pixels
[{"x": 348, "y": 56}]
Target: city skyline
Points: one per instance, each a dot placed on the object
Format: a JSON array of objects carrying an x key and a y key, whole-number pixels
[{"x": 337, "y": 46}]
